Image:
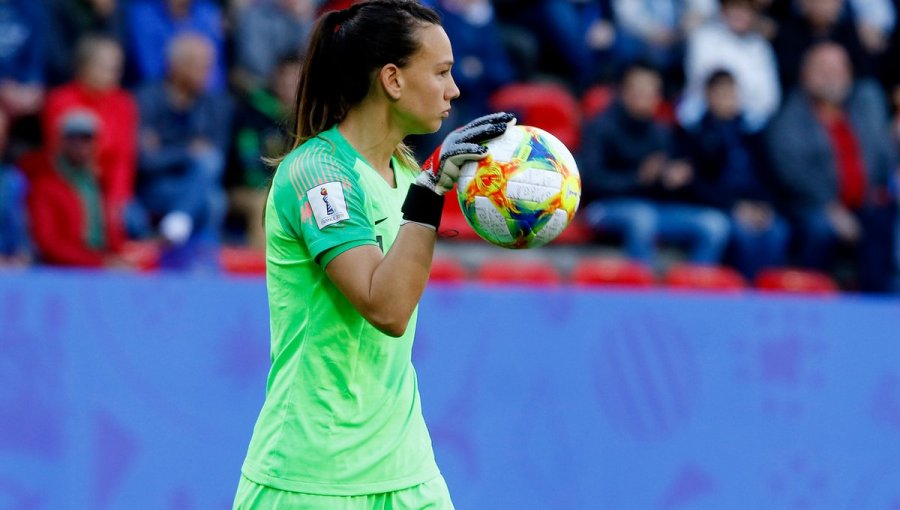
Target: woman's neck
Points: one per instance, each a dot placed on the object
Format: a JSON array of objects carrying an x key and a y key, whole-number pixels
[{"x": 370, "y": 131}]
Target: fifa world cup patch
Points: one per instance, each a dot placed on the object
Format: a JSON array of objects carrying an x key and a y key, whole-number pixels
[{"x": 328, "y": 204}]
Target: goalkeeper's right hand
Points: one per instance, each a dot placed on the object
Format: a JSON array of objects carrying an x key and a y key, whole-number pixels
[
  {"x": 425, "y": 200},
  {"x": 441, "y": 170}
]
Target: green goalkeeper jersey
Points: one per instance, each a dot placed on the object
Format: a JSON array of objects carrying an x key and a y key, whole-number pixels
[{"x": 342, "y": 413}]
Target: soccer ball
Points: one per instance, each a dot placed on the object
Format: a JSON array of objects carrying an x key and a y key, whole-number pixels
[{"x": 524, "y": 193}]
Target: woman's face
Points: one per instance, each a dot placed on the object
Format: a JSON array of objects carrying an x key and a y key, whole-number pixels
[{"x": 427, "y": 87}]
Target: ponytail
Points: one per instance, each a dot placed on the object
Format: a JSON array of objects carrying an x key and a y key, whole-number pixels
[{"x": 345, "y": 49}]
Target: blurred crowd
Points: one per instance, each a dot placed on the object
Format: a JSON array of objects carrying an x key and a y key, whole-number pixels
[{"x": 753, "y": 133}]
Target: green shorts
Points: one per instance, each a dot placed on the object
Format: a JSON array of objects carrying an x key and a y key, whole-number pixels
[{"x": 431, "y": 495}]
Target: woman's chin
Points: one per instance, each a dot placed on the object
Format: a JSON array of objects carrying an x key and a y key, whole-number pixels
[{"x": 429, "y": 127}]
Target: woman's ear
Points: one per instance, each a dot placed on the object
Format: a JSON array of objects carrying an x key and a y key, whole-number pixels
[{"x": 392, "y": 81}]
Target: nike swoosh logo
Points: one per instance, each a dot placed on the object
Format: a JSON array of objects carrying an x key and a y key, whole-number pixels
[{"x": 379, "y": 221}]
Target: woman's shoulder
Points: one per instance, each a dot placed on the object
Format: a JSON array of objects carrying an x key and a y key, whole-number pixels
[{"x": 315, "y": 162}]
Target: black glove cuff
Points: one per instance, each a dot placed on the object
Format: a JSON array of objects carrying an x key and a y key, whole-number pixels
[{"x": 423, "y": 206}]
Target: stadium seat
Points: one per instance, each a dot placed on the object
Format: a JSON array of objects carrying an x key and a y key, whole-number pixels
[
  {"x": 591, "y": 272},
  {"x": 447, "y": 270},
  {"x": 576, "y": 233},
  {"x": 242, "y": 261},
  {"x": 716, "y": 278},
  {"x": 545, "y": 105},
  {"x": 453, "y": 223},
  {"x": 799, "y": 281},
  {"x": 143, "y": 254},
  {"x": 517, "y": 271},
  {"x": 595, "y": 100}
]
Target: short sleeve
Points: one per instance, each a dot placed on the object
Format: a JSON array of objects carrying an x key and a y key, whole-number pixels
[{"x": 330, "y": 215}]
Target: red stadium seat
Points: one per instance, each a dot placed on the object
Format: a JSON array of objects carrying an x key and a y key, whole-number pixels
[
  {"x": 611, "y": 272},
  {"x": 143, "y": 254},
  {"x": 799, "y": 281},
  {"x": 516, "y": 271},
  {"x": 717, "y": 278},
  {"x": 447, "y": 270},
  {"x": 242, "y": 261},
  {"x": 595, "y": 100},
  {"x": 453, "y": 223},
  {"x": 576, "y": 233},
  {"x": 547, "y": 106}
]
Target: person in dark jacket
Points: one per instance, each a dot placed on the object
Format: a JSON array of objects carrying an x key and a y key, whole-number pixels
[
  {"x": 729, "y": 176},
  {"x": 184, "y": 132},
  {"x": 634, "y": 188},
  {"x": 831, "y": 154}
]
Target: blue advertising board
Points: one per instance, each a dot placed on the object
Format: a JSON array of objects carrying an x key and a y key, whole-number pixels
[{"x": 131, "y": 392}]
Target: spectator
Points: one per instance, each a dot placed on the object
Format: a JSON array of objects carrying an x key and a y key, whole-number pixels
[
  {"x": 96, "y": 88},
  {"x": 68, "y": 210},
  {"x": 730, "y": 178},
  {"x": 731, "y": 44},
  {"x": 260, "y": 134},
  {"x": 183, "y": 138},
  {"x": 22, "y": 53},
  {"x": 653, "y": 30},
  {"x": 831, "y": 153},
  {"x": 626, "y": 163},
  {"x": 13, "y": 231},
  {"x": 74, "y": 19},
  {"x": 816, "y": 21},
  {"x": 266, "y": 30},
  {"x": 152, "y": 24}
]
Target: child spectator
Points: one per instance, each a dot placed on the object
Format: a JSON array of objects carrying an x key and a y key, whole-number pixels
[
  {"x": 96, "y": 88},
  {"x": 261, "y": 134},
  {"x": 831, "y": 152},
  {"x": 730, "y": 178},
  {"x": 730, "y": 43},
  {"x": 152, "y": 24},
  {"x": 72, "y": 21},
  {"x": 183, "y": 140},
  {"x": 626, "y": 164},
  {"x": 266, "y": 30},
  {"x": 14, "y": 250},
  {"x": 69, "y": 213}
]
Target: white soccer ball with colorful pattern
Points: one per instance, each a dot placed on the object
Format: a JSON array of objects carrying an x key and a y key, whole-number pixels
[{"x": 524, "y": 193}]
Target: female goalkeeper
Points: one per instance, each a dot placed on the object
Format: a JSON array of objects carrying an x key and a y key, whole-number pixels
[{"x": 351, "y": 224}]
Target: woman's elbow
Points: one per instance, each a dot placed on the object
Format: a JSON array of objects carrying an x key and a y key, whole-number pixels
[{"x": 393, "y": 325}]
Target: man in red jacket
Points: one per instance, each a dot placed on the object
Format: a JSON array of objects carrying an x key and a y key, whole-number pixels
[
  {"x": 96, "y": 87},
  {"x": 71, "y": 219}
]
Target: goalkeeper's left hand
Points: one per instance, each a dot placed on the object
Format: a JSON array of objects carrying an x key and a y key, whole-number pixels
[{"x": 441, "y": 170}]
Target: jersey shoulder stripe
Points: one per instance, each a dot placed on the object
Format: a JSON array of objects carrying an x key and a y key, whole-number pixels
[{"x": 318, "y": 164}]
